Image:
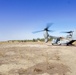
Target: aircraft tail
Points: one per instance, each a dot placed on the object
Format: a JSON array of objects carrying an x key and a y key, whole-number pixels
[
  {"x": 74, "y": 35},
  {"x": 70, "y": 42}
]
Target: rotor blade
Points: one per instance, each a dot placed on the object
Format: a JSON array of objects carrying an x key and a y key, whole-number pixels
[
  {"x": 38, "y": 31},
  {"x": 67, "y": 32},
  {"x": 48, "y": 25},
  {"x": 50, "y": 30}
]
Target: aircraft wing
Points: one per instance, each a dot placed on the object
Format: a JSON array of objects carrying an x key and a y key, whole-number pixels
[{"x": 55, "y": 37}]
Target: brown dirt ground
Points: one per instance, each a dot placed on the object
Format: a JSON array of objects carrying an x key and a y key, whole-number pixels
[{"x": 35, "y": 58}]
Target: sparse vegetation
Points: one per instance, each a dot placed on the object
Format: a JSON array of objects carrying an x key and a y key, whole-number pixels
[{"x": 32, "y": 40}]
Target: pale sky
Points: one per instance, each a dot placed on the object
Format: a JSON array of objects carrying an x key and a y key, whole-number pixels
[{"x": 19, "y": 18}]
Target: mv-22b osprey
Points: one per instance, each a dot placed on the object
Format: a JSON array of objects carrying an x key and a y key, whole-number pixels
[{"x": 68, "y": 40}]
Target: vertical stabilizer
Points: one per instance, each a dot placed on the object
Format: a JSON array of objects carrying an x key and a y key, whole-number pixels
[{"x": 74, "y": 35}]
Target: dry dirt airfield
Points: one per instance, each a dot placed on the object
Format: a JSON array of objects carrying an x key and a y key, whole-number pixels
[{"x": 35, "y": 58}]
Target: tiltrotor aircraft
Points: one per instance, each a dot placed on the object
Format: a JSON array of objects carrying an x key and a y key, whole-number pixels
[{"x": 68, "y": 40}]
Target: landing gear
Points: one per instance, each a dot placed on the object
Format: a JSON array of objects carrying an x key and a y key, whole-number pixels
[
  {"x": 52, "y": 44},
  {"x": 67, "y": 44}
]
